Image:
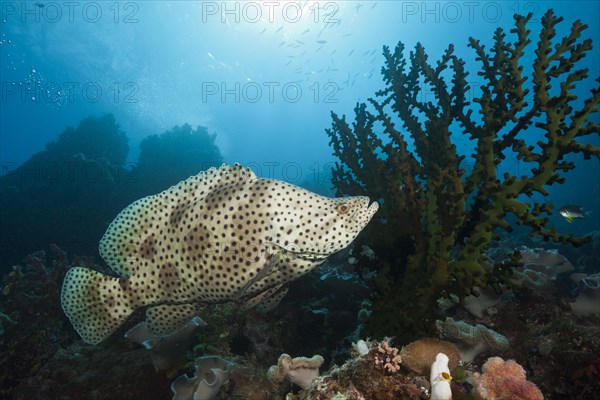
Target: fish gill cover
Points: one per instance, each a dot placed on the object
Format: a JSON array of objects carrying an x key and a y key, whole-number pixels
[{"x": 437, "y": 218}]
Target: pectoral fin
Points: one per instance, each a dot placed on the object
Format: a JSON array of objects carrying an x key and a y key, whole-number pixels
[
  {"x": 266, "y": 300},
  {"x": 270, "y": 302},
  {"x": 264, "y": 272}
]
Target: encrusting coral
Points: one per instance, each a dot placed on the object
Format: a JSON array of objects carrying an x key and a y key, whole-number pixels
[
  {"x": 471, "y": 339},
  {"x": 438, "y": 215}
]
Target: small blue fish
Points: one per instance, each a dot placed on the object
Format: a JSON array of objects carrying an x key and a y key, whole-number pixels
[{"x": 321, "y": 41}]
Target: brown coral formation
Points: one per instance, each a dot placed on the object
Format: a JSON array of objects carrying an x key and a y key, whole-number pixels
[{"x": 420, "y": 354}]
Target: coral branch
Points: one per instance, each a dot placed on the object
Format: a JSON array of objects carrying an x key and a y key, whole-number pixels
[{"x": 438, "y": 214}]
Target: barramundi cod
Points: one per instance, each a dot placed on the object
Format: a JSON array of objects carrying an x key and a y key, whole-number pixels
[{"x": 220, "y": 236}]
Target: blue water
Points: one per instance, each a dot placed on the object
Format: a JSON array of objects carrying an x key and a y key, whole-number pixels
[{"x": 263, "y": 77}]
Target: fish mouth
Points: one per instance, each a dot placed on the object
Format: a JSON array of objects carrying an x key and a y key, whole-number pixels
[
  {"x": 364, "y": 211},
  {"x": 372, "y": 209}
]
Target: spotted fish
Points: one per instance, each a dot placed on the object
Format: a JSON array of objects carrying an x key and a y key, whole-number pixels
[{"x": 220, "y": 236}]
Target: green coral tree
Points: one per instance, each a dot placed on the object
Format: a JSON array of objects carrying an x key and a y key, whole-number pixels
[{"x": 437, "y": 219}]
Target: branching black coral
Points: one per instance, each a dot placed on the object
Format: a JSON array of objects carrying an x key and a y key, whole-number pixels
[{"x": 438, "y": 216}]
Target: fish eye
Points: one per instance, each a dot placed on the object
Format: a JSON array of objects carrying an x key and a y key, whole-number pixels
[{"x": 343, "y": 208}]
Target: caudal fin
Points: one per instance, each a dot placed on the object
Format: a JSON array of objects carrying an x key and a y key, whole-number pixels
[{"x": 95, "y": 303}]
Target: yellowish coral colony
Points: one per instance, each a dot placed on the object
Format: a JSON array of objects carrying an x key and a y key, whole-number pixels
[{"x": 440, "y": 211}]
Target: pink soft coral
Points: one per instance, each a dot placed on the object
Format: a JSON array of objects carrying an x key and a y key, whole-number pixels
[{"x": 504, "y": 380}]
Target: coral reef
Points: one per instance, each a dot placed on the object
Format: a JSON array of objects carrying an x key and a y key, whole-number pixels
[
  {"x": 173, "y": 156},
  {"x": 41, "y": 356},
  {"x": 504, "y": 380},
  {"x": 53, "y": 196},
  {"x": 364, "y": 377},
  {"x": 438, "y": 215}
]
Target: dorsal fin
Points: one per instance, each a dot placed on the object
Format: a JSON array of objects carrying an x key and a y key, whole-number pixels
[{"x": 130, "y": 238}]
